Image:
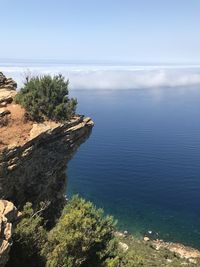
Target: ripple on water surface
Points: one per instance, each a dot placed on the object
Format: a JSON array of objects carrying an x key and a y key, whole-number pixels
[{"x": 141, "y": 162}]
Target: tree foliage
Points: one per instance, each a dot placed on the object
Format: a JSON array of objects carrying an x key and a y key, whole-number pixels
[
  {"x": 46, "y": 97},
  {"x": 82, "y": 237},
  {"x": 29, "y": 238}
]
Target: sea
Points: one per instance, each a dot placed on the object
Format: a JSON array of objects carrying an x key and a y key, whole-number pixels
[{"x": 141, "y": 163}]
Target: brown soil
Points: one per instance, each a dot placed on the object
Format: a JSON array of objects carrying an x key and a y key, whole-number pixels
[{"x": 17, "y": 131}]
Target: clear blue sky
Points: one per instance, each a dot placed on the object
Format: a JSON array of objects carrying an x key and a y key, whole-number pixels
[{"x": 112, "y": 30}]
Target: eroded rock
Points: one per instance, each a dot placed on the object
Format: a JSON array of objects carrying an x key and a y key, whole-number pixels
[
  {"x": 7, "y": 83},
  {"x": 8, "y": 216},
  {"x": 36, "y": 170},
  {"x": 7, "y": 90}
]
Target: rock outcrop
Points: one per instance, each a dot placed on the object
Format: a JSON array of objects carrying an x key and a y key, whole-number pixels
[
  {"x": 36, "y": 171},
  {"x": 8, "y": 216},
  {"x": 7, "y": 83},
  {"x": 7, "y": 92}
]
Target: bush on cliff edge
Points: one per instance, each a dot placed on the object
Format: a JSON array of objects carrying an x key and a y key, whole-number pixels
[{"x": 46, "y": 97}]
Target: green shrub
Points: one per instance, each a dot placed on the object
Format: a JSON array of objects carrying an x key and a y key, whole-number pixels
[
  {"x": 133, "y": 259},
  {"x": 82, "y": 237},
  {"x": 29, "y": 238},
  {"x": 46, "y": 97}
]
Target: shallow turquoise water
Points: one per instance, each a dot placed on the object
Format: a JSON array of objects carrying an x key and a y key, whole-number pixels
[{"x": 142, "y": 160}]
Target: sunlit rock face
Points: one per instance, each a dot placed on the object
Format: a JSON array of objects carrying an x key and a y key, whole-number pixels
[
  {"x": 8, "y": 216},
  {"x": 7, "y": 93}
]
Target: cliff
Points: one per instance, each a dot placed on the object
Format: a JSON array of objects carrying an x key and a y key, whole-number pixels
[
  {"x": 34, "y": 156},
  {"x": 36, "y": 170}
]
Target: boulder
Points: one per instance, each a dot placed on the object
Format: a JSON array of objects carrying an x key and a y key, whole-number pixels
[
  {"x": 124, "y": 247},
  {"x": 7, "y": 90},
  {"x": 146, "y": 239},
  {"x": 7, "y": 83}
]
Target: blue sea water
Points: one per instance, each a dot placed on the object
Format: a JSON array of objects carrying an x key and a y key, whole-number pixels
[{"x": 142, "y": 160}]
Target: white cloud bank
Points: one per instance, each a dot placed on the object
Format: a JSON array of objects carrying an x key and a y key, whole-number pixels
[{"x": 115, "y": 77}]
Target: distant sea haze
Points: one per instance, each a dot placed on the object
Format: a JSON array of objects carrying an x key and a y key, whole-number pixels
[{"x": 110, "y": 76}]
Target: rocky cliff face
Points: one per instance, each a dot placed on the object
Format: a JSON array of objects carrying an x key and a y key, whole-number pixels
[
  {"x": 8, "y": 216},
  {"x": 36, "y": 171}
]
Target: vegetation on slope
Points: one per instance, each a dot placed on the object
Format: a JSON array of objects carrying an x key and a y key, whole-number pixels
[
  {"x": 46, "y": 97},
  {"x": 82, "y": 237},
  {"x": 145, "y": 254}
]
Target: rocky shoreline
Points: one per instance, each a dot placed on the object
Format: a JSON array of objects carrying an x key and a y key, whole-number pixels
[
  {"x": 184, "y": 252},
  {"x": 180, "y": 250}
]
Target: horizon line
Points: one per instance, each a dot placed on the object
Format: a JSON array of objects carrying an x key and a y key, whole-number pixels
[{"x": 92, "y": 61}]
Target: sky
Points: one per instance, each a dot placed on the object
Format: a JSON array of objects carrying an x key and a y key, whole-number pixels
[{"x": 135, "y": 31}]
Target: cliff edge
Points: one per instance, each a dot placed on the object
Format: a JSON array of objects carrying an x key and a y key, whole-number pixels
[{"x": 33, "y": 156}]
